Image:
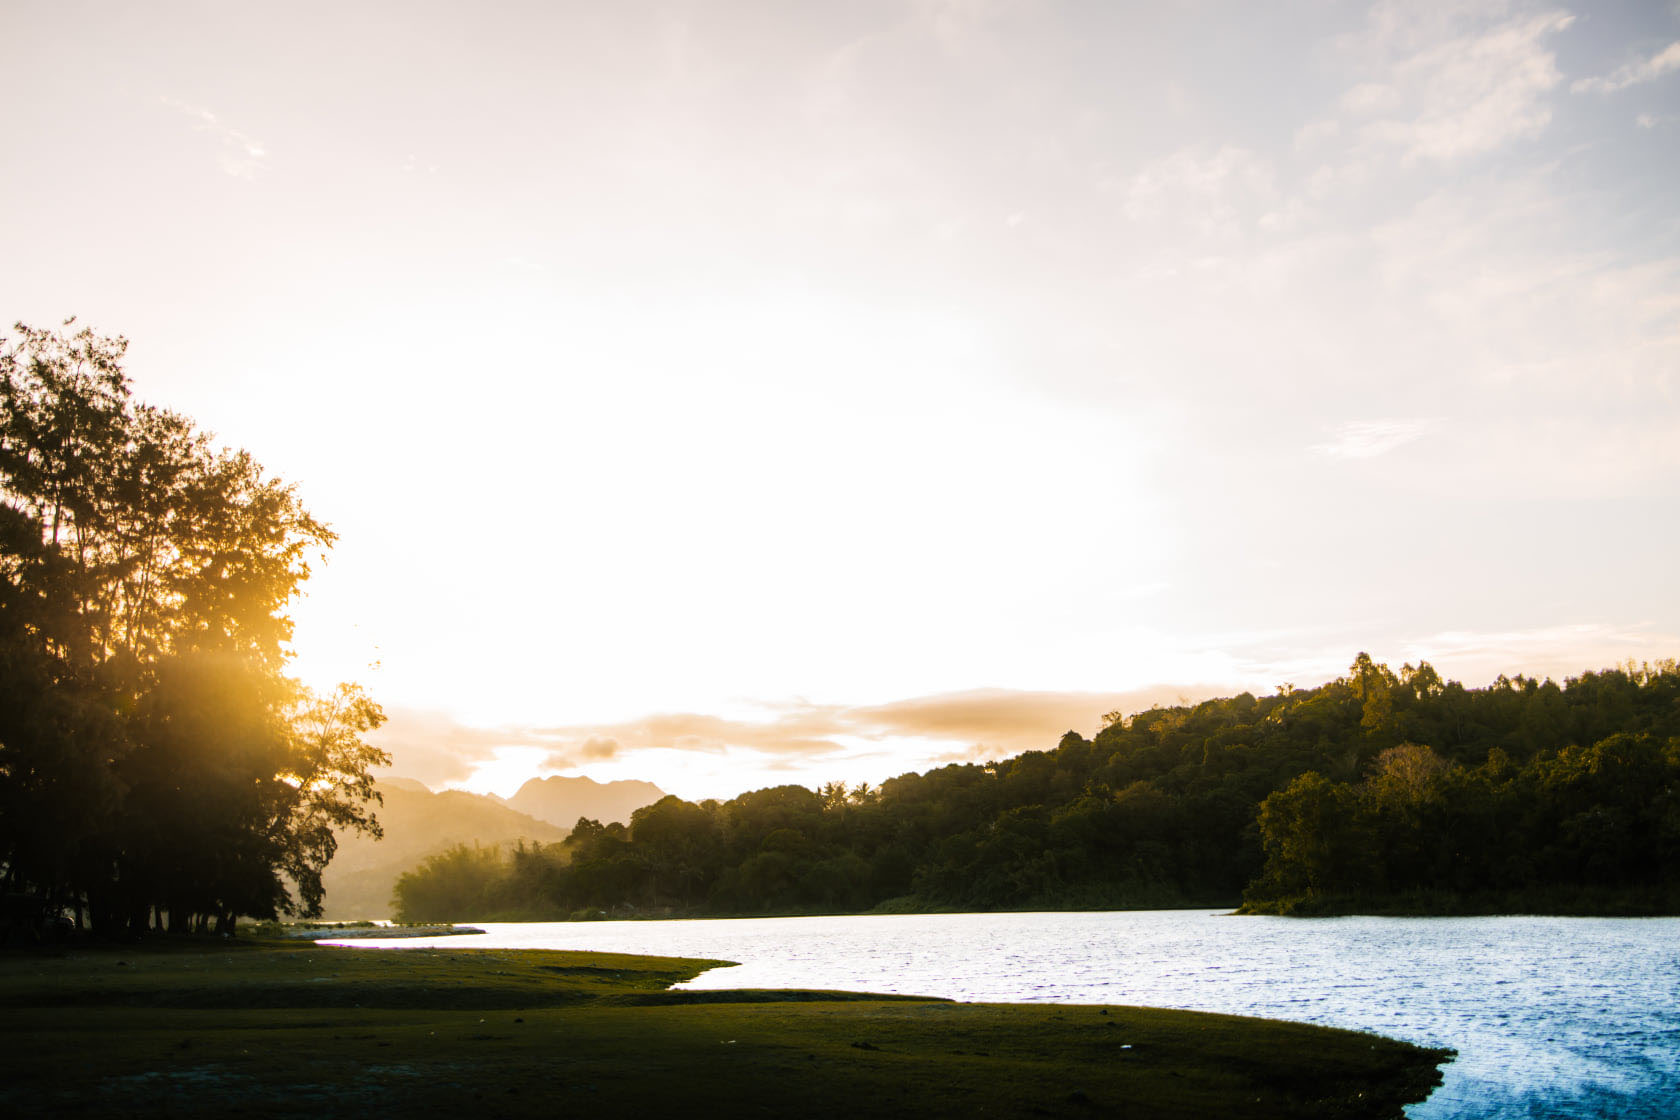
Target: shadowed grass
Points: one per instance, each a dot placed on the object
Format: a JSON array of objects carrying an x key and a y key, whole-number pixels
[{"x": 283, "y": 1029}]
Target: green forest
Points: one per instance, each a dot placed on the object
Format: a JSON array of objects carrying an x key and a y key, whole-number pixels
[
  {"x": 1380, "y": 791},
  {"x": 158, "y": 768}
]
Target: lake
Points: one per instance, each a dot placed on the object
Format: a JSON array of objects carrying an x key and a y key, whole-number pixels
[{"x": 1552, "y": 1017}]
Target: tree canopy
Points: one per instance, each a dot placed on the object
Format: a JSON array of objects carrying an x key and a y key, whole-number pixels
[
  {"x": 154, "y": 756},
  {"x": 1372, "y": 785}
]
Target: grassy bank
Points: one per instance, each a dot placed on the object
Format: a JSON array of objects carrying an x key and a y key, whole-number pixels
[{"x": 272, "y": 1029}]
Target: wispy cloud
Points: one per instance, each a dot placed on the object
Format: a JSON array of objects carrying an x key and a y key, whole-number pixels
[
  {"x": 1435, "y": 84},
  {"x": 980, "y": 723},
  {"x": 1465, "y": 94},
  {"x": 1314, "y": 133},
  {"x": 1643, "y": 70},
  {"x": 434, "y": 748},
  {"x": 1210, "y": 193},
  {"x": 1559, "y": 651},
  {"x": 1367, "y": 439},
  {"x": 239, "y": 155}
]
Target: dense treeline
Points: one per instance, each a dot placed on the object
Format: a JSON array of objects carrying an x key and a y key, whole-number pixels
[
  {"x": 1425, "y": 832},
  {"x": 1372, "y": 784},
  {"x": 155, "y": 760}
]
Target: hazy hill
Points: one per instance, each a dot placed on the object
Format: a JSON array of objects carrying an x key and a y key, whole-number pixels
[
  {"x": 561, "y": 801},
  {"x": 419, "y": 823}
]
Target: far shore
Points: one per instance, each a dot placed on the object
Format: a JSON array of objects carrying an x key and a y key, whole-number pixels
[
  {"x": 1546, "y": 902},
  {"x": 346, "y": 931}
]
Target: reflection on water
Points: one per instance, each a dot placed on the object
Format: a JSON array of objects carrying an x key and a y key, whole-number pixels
[{"x": 1552, "y": 1017}]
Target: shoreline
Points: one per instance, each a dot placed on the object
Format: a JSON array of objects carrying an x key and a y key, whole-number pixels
[
  {"x": 339, "y": 1031},
  {"x": 1433, "y": 905},
  {"x": 1545, "y": 902},
  {"x": 348, "y": 931}
]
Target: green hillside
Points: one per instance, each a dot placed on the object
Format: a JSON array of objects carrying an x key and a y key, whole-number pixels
[{"x": 1380, "y": 790}]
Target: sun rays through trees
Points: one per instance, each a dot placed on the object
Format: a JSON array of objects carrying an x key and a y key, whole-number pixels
[{"x": 156, "y": 763}]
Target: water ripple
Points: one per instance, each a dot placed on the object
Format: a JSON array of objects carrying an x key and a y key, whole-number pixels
[{"x": 1553, "y": 1018}]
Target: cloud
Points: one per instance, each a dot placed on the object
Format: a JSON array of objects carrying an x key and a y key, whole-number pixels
[
  {"x": 962, "y": 756},
  {"x": 1213, "y": 194},
  {"x": 981, "y": 723},
  {"x": 1430, "y": 85},
  {"x": 1007, "y": 720},
  {"x": 1464, "y": 94},
  {"x": 1557, "y": 651},
  {"x": 707, "y": 734},
  {"x": 1633, "y": 73},
  {"x": 1434, "y": 87},
  {"x": 1370, "y": 97},
  {"x": 433, "y": 748},
  {"x": 240, "y": 155},
  {"x": 598, "y": 747},
  {"x": 1473, "y": 657},
  {"x": 1591, "y": 335},
  {"x": 1366, "y": 439},
  {"x": 1314, "y": 133},
  {"x": 959, "y": 26}
]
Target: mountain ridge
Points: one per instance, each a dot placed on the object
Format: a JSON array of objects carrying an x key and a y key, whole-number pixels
[
  {"x": 420, "y": 822},
  {"x": 562, "y": 800}
]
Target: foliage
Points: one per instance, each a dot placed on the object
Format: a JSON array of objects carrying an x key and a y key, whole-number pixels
[
  {"x": 1601, "y": 816},
  {"x": 154, "y": 757},
  {"x": 1375, "y": 783},
  {"x": 443, "y": 880}
]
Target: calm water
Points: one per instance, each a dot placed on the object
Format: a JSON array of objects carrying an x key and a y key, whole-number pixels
[{"x": 1552, "y": 1017}]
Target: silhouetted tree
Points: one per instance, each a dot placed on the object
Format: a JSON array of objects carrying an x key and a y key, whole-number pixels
[{"x": 153, "y": 754}]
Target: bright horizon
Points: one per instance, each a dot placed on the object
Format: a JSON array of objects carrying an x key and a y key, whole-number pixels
[{"x": 730, "y": 394}]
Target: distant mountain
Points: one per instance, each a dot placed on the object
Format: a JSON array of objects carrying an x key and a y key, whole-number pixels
[
  {"x": 419, "y": 823},
  {"x": 561, "y": 801}
]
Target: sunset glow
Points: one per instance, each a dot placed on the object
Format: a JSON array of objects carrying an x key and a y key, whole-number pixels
[{"x": 730, "y": 394}]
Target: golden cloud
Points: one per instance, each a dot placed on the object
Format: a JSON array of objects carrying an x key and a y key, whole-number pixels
[{"x": 978, "y": 724}]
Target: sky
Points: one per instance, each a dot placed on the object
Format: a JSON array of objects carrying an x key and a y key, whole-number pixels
[{"x": 733, "y": 393}]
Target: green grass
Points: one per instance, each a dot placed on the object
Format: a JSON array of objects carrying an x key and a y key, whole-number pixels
[{"x": 279, "y": 1029}]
